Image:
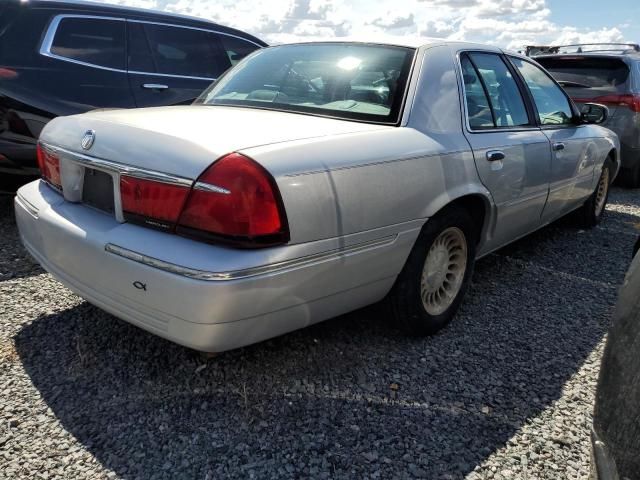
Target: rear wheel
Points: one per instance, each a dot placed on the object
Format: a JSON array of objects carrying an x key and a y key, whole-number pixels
[
  {"x": 433, "y": 282},
  {"x": 591, "y": 212}
]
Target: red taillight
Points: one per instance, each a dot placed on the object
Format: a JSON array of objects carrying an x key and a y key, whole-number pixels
[
  {"x": 624, "y": 100},
  {"x": 49, "y": 165},
  {"x": 153, "y": 203},
  {"x": 238, "y": 200}
]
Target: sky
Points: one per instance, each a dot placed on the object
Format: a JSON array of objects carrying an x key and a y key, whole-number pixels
[{"x": 506, "y": 23}]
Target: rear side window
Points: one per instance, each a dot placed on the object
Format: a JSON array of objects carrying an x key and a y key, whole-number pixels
[
  {"x": 179, "y": 51},
  {"x": 588, "y": 72},
  {"x": 90, "y": 40},
  {"x": 500, "y": 94},
  {"x": 236, "y": 48}
]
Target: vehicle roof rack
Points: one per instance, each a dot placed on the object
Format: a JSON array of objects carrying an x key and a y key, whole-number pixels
[{"x": 531, "y": 50}]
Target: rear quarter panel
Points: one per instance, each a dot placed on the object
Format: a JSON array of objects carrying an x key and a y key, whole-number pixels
[{"x": 361, "y": 182}]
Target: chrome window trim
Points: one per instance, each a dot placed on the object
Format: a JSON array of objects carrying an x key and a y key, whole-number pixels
[
  {"x": 52, "y": 29},
  {"x": 119, "y": 168},
  {"x": 248, "y": 272},
  {"x": 465, "y": 108},
  {"x": 148, "y": 22}
]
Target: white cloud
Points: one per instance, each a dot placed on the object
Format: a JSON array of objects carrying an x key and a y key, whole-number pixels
[{"x": 507, "y": 23}]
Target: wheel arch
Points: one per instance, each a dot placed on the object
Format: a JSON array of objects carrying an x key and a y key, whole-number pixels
[
  {"x": 477, "y": 202},
  {"x": 615, "y": 158}
]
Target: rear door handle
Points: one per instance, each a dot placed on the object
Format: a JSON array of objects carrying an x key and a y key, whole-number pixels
[
  {"x": 155, "y": 86},
  {"x": 558, "y": 146},
  {"x": 495, "y": 155}
]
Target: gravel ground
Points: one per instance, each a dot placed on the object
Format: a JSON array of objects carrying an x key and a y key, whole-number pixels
[{"x": 505, "y": 391}]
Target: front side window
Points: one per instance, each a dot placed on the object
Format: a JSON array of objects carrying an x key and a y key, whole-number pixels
[
  {"x": 236, "y": 48},
  {"x": 551, "y": 102},
  {"x": 94, "y": 41},
  {"x": 344, "y": 80},
  {"x": 488, "y": 73},
  {"x": 182, "y": 51}
]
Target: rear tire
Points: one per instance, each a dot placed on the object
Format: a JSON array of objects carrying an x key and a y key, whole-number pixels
[
  {"x": 590, "y": 214},
  {"x": 433, "y": 282}
]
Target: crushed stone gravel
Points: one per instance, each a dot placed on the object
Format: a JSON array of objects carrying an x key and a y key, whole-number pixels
[{"x": 506, "y": 391}]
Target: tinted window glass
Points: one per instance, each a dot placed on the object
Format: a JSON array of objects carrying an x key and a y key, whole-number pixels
[
  {"x": 478, "y": 109},
  {"x": 551, "y": 102},
  {"x": 588, "y": 72},
  {"x": 95, "y": 41},
  {"x": 507, "y": 103},
  {"x": 361, "y": 82},
  {"x": 140, "y": 59},
  {"x": 236, "y": 48},
  {"x": 185, "y": 51}
]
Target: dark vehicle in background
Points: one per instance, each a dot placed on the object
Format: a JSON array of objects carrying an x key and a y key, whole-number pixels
[
  {"x": 616, "y": 421},
  {"x": 61, "y": 58},
  {"x": 607, "y": 74}
]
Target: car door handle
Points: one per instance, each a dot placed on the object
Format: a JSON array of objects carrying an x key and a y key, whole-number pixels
[
  {"x": 558, "y": 146},
  {"x": 155, "y": 86},
  {"x": 495, "y": 155}
]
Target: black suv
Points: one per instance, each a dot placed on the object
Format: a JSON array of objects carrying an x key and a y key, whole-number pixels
[
  {"x": 608, "y": 74},
  {"x": 61, "y": 58}
]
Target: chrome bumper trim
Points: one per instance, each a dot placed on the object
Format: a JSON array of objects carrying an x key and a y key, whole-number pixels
[
  {"x": 247, "y": 272},
  {"x": 120, "y": 168}
]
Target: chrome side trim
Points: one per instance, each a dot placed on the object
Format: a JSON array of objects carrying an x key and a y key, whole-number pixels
[
  {"x": 119, "y": 168},
  {"x": 247, "y": 272},
  {"x": 135, "y": 72},
  {"x": 27, "y": 205},
  {"x": 47, "y": 43},
  {"x": 207, "y": 187}
]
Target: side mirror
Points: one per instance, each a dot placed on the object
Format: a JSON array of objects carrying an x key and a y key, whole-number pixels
[{"x": 593, "y": 113}]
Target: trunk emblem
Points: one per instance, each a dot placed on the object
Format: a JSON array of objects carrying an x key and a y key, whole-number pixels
[{"x": 87, "y": 139}]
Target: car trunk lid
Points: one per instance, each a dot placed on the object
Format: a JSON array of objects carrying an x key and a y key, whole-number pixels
[{"x": 185, "y": 140}]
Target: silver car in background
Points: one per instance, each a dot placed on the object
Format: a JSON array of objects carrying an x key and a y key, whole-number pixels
[
  {"x": 607, "y": 74},
  {"x": 309, "y": 181}
]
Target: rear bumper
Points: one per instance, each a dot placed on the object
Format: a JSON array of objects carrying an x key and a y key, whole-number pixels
[{"x": 206, "y": 297}]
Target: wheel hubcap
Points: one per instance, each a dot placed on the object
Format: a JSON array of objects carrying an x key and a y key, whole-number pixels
[
  {"x": 601, "y": 193},
  {"x": 443, "y": 271}
]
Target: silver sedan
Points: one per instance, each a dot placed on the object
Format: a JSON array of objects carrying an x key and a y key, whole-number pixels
[{"x": 311, "y": 180}]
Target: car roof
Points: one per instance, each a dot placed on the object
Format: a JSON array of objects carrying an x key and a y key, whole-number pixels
[
  {"x": 396, "y": 41},
  {"x": 148, "y": 14}
]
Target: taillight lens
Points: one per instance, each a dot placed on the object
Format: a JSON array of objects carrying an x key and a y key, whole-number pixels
[
  {"x": 236, "y": 199},
  {"x": 626, "y": 100},
  {"x": 49, "y": 164},
  {"x": 152, "y": 203}
]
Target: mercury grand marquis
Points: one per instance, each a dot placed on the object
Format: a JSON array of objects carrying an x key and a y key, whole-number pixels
[{"x": 311, "y": 180}]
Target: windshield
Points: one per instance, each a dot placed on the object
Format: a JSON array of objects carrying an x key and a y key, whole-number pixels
[{"x": 349, "y": 81}]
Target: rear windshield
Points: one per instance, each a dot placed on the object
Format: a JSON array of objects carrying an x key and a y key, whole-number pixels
[
  {"x": 587, "y": 72},
  {"x": 342, "y": 80}
]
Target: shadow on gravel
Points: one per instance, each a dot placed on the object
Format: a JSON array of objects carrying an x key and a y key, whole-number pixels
[{"x": 348, "y": 398}]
